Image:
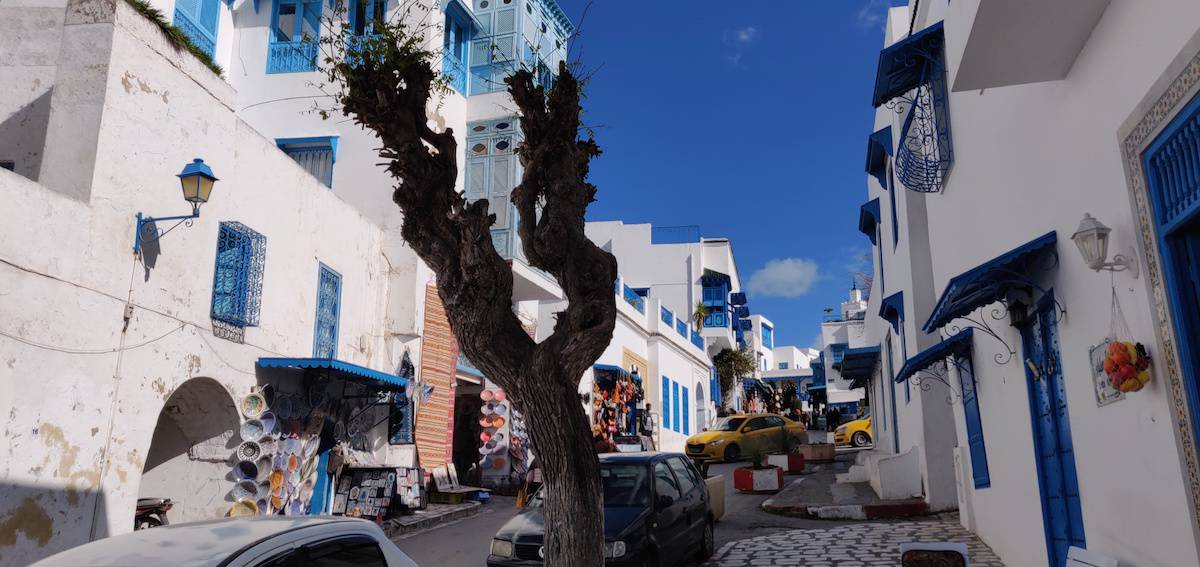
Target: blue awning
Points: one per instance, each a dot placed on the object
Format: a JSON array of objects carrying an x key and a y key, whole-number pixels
[
  {"x": 987, "y": 282},
  {"x": 796, "y": 378},
  {"x": 859, "y": 364},
  {"x": 957, "y": 344},
  {"x": 737, "y": 298},
  {"x": 816, "y": 387},
  {"x": 904, "y": 64},
  {"x": 879, "y": 147},
  {"x": 343, "y": 369},
  {"x": 892, "y": 309},
  {"x": 868, "y": 218}
]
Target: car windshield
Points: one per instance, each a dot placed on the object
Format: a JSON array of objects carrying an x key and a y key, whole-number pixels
[
  {"x": 728, "y": 424},
  {"x": 625, "y": 485}
]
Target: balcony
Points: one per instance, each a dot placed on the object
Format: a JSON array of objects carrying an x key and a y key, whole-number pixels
[
  {"x": 996, "y": 44},
  {"x": 529, "y": 283},
  {"x": 637, "y": 301},
  {"x": 455, "y": 71},
  {"x": 292, "y": 56}
]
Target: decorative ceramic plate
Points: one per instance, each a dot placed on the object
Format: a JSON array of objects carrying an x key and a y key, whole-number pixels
[{"x": 253, "y": 405}]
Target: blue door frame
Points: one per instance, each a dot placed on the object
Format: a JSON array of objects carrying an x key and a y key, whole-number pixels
[
  {"x": 1054, "y": 452},
  {"x": 1169, "y": 163}
]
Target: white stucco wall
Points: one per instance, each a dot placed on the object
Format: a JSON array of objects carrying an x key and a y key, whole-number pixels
[
  {"x": 1034, "y": 158},
  {"x": 68, "y": 407}
]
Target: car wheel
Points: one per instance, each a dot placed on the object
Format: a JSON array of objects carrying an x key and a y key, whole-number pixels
[
  {"x": 861, "y": 439},
  {"x": 706, "y": 543},
  {"x": 732, "y": 453}
]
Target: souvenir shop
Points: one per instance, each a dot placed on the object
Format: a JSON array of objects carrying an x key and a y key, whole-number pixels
[
  {"x": 323, "y": 436},
  {"x": 616, "y": 400}
]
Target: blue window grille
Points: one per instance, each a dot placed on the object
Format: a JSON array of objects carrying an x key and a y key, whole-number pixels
[
  {"x": 316, "y": 155},
  {"x": 238, "y": 275},
  {"x": 687, "y": 416},
  {"x": 329, "y": 310},
  {"x": 633, "y": 298},
  {"x": 666, "y": 402},
  {"x": 697, "y": 340},
  {"x": 456, "y": 44},
  {"x": 667, "y": 316},
  {"x": 295, "y": 36},
  {"x": 768, "y": 336},
  {"x": 675, "y": 406},
  {"x": 681, "y": 327},
  {"x": 979, "y": 463},
  {"x": 198, "y": 19}
]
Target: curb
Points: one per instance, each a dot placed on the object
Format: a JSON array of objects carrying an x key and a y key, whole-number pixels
[{"x": 848, "y": 511}]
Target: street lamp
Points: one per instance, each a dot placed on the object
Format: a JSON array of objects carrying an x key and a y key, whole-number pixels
[
  {"x": 1092, "y": 240},
  {"x": 196, "y": 180}
]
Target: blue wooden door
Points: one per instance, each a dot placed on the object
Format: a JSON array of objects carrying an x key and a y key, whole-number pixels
[
  {"x": 1173, "y": 177},
  {"x": 1055, "y": 453}
]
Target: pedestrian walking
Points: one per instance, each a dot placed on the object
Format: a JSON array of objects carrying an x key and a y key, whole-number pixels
[{"x": 648, "y": 427}]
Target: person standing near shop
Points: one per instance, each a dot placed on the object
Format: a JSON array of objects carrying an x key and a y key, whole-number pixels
[{"x": 648, "y": 427}]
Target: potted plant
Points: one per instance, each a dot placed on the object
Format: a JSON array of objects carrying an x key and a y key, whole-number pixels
[
  {"x": 789, "y": 458},
  {"x": 758, "y": 477}
]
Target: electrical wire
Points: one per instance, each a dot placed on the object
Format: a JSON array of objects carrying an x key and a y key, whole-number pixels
[{"x": 87, "y": 351}]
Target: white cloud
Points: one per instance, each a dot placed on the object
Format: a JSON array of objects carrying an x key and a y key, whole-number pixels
[
  {"x": 784, "y": 277},
  {"x": 873, "y": 14},
  {"x": 738, "y": 39}
]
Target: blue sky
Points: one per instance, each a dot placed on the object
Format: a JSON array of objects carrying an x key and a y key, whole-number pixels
[{"x": 748, "y": 118}]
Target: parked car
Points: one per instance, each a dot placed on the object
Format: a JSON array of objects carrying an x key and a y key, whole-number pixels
[
  {"x": 736, "y": 435},
  {"x": 656, "y": 512},
  {"x": 259, "y": 541},
  {"x": 857, "y": 433}
]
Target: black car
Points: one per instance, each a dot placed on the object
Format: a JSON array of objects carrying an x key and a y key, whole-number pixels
[{"x": 656, "y": 512}]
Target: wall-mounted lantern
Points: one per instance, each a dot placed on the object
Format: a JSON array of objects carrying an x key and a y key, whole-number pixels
[
  {"x": 197, "y": 182},
  {"x": 1092, "y": 240}
]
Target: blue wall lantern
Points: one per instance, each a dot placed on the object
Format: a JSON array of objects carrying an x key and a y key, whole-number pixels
[{"x": 197, "y": 182}]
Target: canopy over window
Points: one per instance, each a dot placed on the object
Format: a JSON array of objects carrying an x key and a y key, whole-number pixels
[
  {"x": 338, "y": 369},
  {"x": 859, "y": 364},
  {"x": 958, "y": 344},
  {"x": 868, "y": 218},
  {"x": 891, "y": 309},
  {"x": 903, "y": 64},
  {"x": 879, "y": 147},
  {"x": 990, "y": 282}
]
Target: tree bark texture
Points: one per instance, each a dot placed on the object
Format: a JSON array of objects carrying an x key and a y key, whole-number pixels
[{"x": 390, "y": 95}]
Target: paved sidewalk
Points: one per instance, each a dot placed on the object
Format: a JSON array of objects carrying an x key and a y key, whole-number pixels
[
  {"x": 817, "y": 494},
  {"x": 874, "y": 543}
]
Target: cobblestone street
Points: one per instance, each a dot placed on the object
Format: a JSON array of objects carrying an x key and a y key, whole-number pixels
[{"x": 851, "y": 545}]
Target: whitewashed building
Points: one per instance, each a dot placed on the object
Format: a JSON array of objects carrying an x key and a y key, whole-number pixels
[
  {"x": 127, "y": 371},
  {"x": 1001, "y": 130}
]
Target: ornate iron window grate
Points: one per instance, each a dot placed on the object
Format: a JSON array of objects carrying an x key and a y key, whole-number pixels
[
  {"x": 912, "y": 82},
  {"x": 197, "y": 19},
  {"x": 329, "y": 298},
  {"x": 238, "y": 275}
]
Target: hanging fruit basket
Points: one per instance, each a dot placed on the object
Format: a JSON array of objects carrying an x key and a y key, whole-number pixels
[{"x": 1126, "y": 362}]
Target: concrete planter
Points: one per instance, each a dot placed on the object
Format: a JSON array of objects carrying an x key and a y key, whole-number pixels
[
  {"x": 764, "y": 480},
  {"x": 818, "y": 452},
  {"x": 792, "y": 463},
  {"x": 716, "y": 495}
]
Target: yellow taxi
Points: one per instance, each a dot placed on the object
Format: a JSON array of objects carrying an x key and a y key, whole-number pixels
[
  {"x": 857, "y": 433},
  {"x": 737, "y": 435}
]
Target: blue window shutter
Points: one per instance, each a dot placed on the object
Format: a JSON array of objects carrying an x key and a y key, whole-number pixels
[
  {"x": 979, "y": 464},
  {"x": 891, "y": 187},
  {"x": 238, "y": 275},
  {"x": 666, "y": 403},
  {"x": 675, "y": 406},
  {"x": 687, "y": 417},
  {"x": 197, "y": 19},
  {"x": 317, "y": 155},
  {"x": 329, "y": 297}
]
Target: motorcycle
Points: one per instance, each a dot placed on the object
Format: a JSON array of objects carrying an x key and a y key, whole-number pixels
[{"x": 151, "y": 513}]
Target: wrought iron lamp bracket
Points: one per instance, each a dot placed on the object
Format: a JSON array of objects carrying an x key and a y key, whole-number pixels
[
  {"x": 142, "y": 223},
  {"x": 937, "y": 372}
]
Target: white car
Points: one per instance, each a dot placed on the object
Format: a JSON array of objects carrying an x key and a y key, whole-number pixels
[{"x": 261, "y": 541}]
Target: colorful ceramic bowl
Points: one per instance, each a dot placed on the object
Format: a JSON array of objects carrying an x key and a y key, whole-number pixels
[
  {"x": 249, "y": 451},
  {"x": 487, "y": 395},
  {"x": 252, "y": 430},
  {"x": 500, "y": 395},
  {"x": 245, "y": 470},
  {"x": 253, "y": 405}
]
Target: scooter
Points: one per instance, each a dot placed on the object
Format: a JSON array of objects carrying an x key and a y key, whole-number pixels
[{"x": 151, "y": 512}]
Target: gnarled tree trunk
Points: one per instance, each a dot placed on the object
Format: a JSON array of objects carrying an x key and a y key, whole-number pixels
[{"x": 386, "y": 86}]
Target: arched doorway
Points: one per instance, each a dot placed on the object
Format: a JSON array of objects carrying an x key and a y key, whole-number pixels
[
  {"x": 701, "y": 408},
  {"x": 189, "y": 456}
]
